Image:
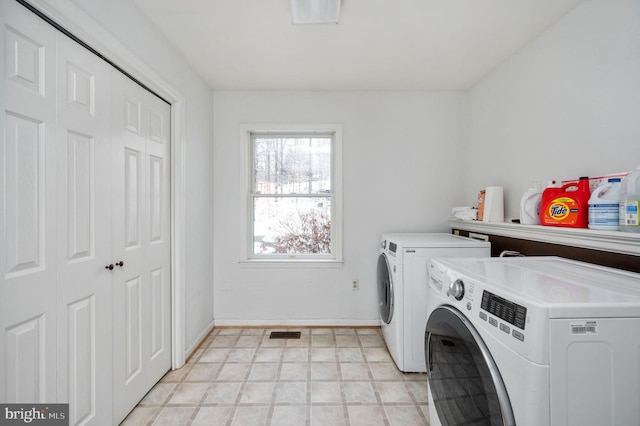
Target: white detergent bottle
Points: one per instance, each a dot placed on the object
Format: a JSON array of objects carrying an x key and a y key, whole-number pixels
[
  {"x": 530, "y": 205},
  {"x": 629, "y": 202},
  {"x": 603, "y": 206}
]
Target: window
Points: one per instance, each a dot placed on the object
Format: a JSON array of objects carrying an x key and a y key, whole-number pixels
[{"x": 293, "y": 186}]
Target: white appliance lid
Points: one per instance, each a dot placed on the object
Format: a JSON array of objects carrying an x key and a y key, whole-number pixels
[
  {"x": 433, "y": 240},
  {"x": 566, "y": 288}
]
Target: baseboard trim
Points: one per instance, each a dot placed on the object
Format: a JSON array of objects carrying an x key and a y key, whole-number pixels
[
  {"x": 239, "y": 323},
  {"x": 199, "y": 341}
]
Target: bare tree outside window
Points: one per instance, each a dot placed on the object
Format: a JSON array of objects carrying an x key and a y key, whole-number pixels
[{"x": 291, "y": 194}]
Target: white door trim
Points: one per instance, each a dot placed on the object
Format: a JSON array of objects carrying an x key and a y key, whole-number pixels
[{"x": 76, "y": 21}]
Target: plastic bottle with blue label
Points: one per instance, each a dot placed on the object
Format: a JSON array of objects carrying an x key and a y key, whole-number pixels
[
  {"x": 629, "y": 202},
  {"x": 603, "y": 206}
]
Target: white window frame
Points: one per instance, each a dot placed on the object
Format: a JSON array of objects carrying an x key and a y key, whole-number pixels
[{"x": 247, "y": 256}]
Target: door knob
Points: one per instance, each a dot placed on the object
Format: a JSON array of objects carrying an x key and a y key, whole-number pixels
[{"x": 111, "y": 265}]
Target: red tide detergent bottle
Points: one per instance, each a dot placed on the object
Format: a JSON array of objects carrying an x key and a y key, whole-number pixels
[{"x": 566, "y": 206}]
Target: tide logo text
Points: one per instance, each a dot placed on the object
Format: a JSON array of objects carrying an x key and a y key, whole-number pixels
[{"x": 558, "y": 211}]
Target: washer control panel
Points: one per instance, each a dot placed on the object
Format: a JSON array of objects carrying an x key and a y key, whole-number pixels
[
  {"x": 499, "y": 313},
  {"x": 504, "y": 309}
]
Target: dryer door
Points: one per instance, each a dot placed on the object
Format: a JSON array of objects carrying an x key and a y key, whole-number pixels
[
  {"x": 385, "y": 289},
  {"x": 465, "y": 383}
]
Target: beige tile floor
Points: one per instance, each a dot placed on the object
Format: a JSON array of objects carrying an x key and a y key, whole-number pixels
[{"x": 330, "y": 376}]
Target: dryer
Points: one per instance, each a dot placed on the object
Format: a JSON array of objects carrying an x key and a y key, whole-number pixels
[
  {"x": 402, "y": 279},
  {"x": 532, "y": 341}
]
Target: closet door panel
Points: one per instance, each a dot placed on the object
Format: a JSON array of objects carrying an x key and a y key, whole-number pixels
[
  {"x": 133, "y": 328},
  {"x": 141, "y": 238},
  {"x": 158, "y": 259},
  {"x": 25, "y": 191},
  {"x": 26, "y": 362},
  {"x": 133, "y": 203},
  {"x": 159, "y": 344},
  {"x": 27, "y": 207},
  {"x": 131, "y": 287},
  {"x": 84, "y": 233},
  {"x": 81, "y": 226},
  {"x": 81, "y": 326}
]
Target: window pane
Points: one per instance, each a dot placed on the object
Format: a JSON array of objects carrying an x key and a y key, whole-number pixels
[
  {"x": 292, "y": 165},
  {"x": 292, "y": 225}
]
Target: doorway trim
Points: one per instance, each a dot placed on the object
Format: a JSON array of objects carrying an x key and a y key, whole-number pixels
[{"x": 76, "y": 21}]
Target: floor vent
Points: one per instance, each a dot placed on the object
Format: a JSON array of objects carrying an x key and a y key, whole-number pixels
[{"x": 284, "y": 335}]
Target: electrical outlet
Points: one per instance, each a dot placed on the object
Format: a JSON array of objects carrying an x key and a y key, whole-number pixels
[{"x": 355, "y": 285}]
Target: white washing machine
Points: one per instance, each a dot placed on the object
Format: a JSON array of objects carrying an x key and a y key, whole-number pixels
[
  {"x": 532, "y": 341},
  {"x": 402, "y": 277}
]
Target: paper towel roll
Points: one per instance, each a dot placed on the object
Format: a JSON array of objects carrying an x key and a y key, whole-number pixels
[{"x": 493, "y": 204}]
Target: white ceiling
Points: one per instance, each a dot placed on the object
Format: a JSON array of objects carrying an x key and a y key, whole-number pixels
[{"x": 377, "y": 45}]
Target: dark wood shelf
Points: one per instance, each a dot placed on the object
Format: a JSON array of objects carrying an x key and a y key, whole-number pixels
[{"x": 609, "y": 248}]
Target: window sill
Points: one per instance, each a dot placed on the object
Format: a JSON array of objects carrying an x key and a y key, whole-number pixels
[
  {"x": 611, "y": 241},
  {"x": 291, "y": 263}
]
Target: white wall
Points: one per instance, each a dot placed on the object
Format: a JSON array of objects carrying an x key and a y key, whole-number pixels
[
  {"x": 567, "y": 105},
  {"x": 124, "y": 21},
  {"x": 401, "y": 166}
]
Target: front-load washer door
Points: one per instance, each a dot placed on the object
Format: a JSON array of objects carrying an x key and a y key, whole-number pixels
[
  {"x": 465, "y": 383},
  {"x": 385, "y": 289}
]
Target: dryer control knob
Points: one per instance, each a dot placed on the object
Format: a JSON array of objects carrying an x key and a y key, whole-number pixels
[{"x": 456, "y": 289}]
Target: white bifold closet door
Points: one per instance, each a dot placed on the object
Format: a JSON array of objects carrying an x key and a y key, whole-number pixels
[
  {"x": 28, "y": 246},
  {"x": 85, "y": 226},
  {"x": 84, "y": 236},
  {"x": 141, "y": 239}
]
